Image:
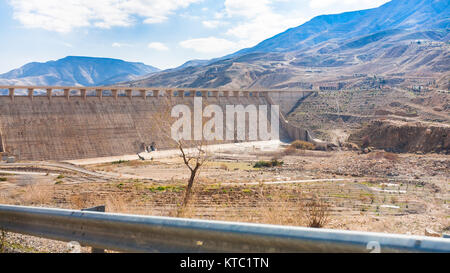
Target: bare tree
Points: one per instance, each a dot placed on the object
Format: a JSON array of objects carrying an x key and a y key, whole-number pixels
[
  {"x": 194, "y": 160},
  {"x": 193, "y": 153}
]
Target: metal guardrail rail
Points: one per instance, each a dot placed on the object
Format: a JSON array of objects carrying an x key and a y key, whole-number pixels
[{"x": 132, "y": 233}]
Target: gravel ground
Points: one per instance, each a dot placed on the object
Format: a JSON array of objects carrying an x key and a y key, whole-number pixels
[{"x": 18, "y": 243}]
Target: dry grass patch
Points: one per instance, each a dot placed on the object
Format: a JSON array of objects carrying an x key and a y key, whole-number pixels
[
  {"x": 317, "y": 212},
  {"x": 2, "y": 241},
  {"x": 302, "y": 145},
  {"x": 80, "y": 201},
  {"x": 37, "y": 195},
  {"x": 229, "y": 166},
  {"x": 118, "y": 204},
  {"x": 384, "y": 155}
]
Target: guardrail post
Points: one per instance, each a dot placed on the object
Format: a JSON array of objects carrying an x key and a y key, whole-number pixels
[
  {"x": 115, "y": 93},
  {"x": 99, "y": 93},
  {"x": 129, "y": 93},
  {"x": 11, "y": 93},
  {"x": 67, "y": 93},
  {"x": 97, "y": 209},
  {"x": 169, "y": 93},
  {"x": 49, "y": 93},
  {"x": 83, "y": 93},
  {"x": 30, "y": 93},
  {"x": 143, "y": 94}
]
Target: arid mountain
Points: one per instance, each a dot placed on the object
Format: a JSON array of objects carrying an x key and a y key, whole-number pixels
[
  {"x": 76, "y": 71},
  {"x": 398, "y": 14},
  {"x": 394, "y": 42}
]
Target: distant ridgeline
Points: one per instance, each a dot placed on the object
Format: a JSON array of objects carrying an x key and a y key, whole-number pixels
[{"x": 87, "y": 122}]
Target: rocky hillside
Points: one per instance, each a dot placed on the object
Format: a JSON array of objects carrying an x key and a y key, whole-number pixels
[
  {"x": 413, "y": 15},
  {"x": 400, "y": 40},
  {"x": 405, "y": 137}
]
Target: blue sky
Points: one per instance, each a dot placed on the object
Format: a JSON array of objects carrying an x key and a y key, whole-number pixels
[{"x": 162, "y": 33}]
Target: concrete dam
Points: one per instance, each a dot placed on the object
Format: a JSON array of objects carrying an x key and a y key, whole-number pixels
[{"x": 65, "y": 123}]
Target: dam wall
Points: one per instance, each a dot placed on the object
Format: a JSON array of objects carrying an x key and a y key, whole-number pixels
[{"x": 75, "y": 127}]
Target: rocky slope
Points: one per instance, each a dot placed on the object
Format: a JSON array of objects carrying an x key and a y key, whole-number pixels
[
  {"x": 400, "y": 40},
  {"x": 405, "y": 137}
]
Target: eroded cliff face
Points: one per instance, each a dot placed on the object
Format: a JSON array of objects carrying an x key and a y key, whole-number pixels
[{"x": 404, "y": 137}]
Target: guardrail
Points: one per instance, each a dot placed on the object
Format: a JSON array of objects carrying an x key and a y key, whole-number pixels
[
  {"x": 143, "y": 92},
  {"x": 133, "y": 233}
]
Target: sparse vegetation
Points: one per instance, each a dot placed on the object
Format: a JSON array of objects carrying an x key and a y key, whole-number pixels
[
  {"x": 2, "y": 241},
  {"x": 384, "y": 155},
  {"x": 268, "y": 164},
  {"x": 36, "y": 195},
  {"x": 79, "y": 201},
  {"x": 317, "y": 212},
  {"x": 119, "y": 162},
  {"x": 166, "y": 188},
  {"x": 243, "y": 187},
  {"x": 302, "y": 145}
]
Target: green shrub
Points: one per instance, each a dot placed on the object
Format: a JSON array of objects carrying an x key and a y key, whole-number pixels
[
  {"x": 166, "y": 188},
  {"x": 268, "y": 164},
  {"x": 119, "y": 162}
]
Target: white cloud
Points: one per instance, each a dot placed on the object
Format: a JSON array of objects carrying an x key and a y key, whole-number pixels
[
  {"x": 158, "y": 46},
  {"x": 67, "y": 44},
  {"x": 115, "y": 44},
  {"x": 258, "y": 21},
  {"x": 209, "y": 45},
  {"x": 211, "y": 24},
  {"x": 260, "y": 28},
  {"x": 247, "y": 8},
  {"x": 318, "y": 4},
  {"x": 63, "y": 16}
]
